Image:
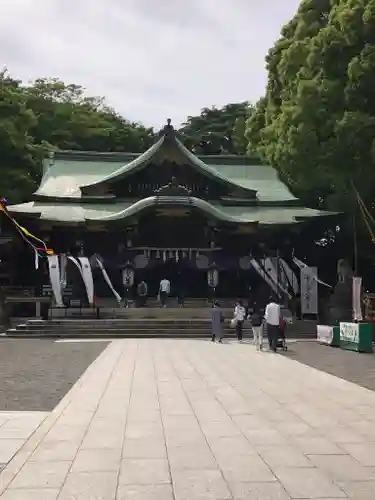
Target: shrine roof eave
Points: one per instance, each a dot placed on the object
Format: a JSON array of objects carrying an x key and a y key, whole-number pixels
[
  {"x": 145, "y": 158},
  {"x": 114, "y": 213},
  {"x": 172, "y": 201}
]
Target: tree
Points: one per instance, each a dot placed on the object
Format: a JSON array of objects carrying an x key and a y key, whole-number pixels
[
  {"x": 217, "y": 130},
  {"x": 20, "y": 155},
  {"x": 69, "y": 119},
  {"x": 316, "y": 123},
  {"x": 49, "y": 115}
]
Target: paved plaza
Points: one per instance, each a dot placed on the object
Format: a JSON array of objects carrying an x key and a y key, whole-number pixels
[{"x": 188, "y": 419}]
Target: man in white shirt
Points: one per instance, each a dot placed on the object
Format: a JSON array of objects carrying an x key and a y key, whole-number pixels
[
  {"x": 164, "y": 291},
  {"x": 272, "y": 317}
]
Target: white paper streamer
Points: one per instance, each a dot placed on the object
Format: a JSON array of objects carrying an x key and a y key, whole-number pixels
[{"x": 107, "y": 279}]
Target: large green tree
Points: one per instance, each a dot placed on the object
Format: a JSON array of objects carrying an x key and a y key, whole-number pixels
[
  {"x": 316, "y": 123},
  {"x": 20, "y": 154},
  {"x": 217, "y": 130},
  {"x": 51, "y": 115}
]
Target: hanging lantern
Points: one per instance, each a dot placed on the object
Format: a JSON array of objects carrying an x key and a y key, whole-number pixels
[
  {"x": 128, "y": 275},
  {"x": 164, "y": 255},
  {"x": 213, "y": 277}
]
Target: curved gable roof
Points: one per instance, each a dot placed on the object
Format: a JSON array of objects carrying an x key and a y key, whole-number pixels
[{"x": 168, "y": 139}]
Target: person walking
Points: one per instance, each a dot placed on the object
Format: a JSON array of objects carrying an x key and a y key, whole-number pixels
[
  {"x": 272, "y": 316},
  {"x": 239, "y": 318},
  {"x": 217, "y": 322},
  {"x": 164, "y": 291},
  {"x": 257, "y": 326}
]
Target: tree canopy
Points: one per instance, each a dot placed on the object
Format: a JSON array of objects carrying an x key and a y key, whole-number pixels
[
  {"x": 49, "y": 115},
  {"x": 316, "y": 123},
  {"x": 217, "y": 130}
]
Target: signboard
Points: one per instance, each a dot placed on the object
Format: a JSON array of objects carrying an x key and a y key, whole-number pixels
[
  {"x": 349, "y": 332},
  {"x": 309, "y": 290},
  {"x": 324, "y": 334},
  {"x": 356, "y": 337}
]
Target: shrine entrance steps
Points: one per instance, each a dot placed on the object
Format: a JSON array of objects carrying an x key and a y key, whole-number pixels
[{"x": 142, "y": 323}]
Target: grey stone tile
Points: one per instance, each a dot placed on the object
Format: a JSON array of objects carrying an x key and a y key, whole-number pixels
[
  {"x": 66, "y": 432},
  {"x": 363, "y": 453},
  {"x": 27, "y": 494},
  {"x": 138, "y": 430},
  {"x": 89, "y": 486},
  {"x": 309, "y": 483},
  {"x": 38, "y": 475},
  {"x": 244, "y": 469},
  {"x": 220, "y": 429},
  {"x": 258, "y": 491},
  {"x": 266, "y": 437},
  {"x": 316, "y": 446},
  {"x": 283, "y": 456},
  {"x": 233, "y": 445},
  {"x": 8, "y": 447},
  {"x": 200, "y": 484},
  {"x": 191, "y": 458},
  {"x": 55, "y": 451},
  {"x": 144, "y": 471},
  {"x": 144, "y": 448},
  {"x": 359, "y": 490},
  {"x": 101, "y": 460},
  {"x": 145, "y": 492},
  {"x": 106, "y": 440},
  {"x": 342, "y": 468}
]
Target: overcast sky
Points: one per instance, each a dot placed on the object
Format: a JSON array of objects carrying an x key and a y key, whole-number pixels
[{"x": 150, "y": 59}]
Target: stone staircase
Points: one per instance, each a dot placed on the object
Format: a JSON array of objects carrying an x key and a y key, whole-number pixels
[{"x": 141, "y": 323}]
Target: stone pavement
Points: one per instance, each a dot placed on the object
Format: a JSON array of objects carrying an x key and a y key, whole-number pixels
[
  {"x": 186, "y": 420},
  {"x": 15, "y": 429}
]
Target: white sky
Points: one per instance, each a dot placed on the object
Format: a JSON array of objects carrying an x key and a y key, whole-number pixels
[{"x": 150, "y": 59}]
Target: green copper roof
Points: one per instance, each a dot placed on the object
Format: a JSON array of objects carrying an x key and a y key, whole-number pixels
[
  {"x": 80, "y": 213},
  {"x": 65, "y": 176}
]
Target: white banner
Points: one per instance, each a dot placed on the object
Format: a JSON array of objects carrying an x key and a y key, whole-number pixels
[
  {"x": 290, "y": 277},
  {"x": 54, "y": 276},
  {"x": 260, "y": 270},
  {"x": 324, "y": 334},
  {"x": 309, "y": 290},
  {"x": 271, "y": 266},
  {"x": 357, "y": 288},
  {"x": 87, "y": 278},
  {"x": 349, "y": 332},
  {"x": 107, "y": 279},
  {"x": 302, "y": 265}
]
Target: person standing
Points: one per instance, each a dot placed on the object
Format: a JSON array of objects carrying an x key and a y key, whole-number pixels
[
  {"x": 257, "y": 326},
  {"x": 142, "y": 291},
  {"x": 239, "y": 317},
  {"x": 272, "y": 316},
  {"x": 164, "y": 291},
  {"x": 217, "y": 322}
]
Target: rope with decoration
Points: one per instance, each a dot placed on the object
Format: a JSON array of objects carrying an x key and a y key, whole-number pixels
[{"x": 42, "y": 250}]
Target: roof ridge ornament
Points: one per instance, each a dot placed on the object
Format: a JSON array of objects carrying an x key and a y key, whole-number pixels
[
  {"x": 168, "y": 130},
  {"x": 173, "y": 189}
]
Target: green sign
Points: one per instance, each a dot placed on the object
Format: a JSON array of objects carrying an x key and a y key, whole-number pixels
[{"x": 356, "y": 337}]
